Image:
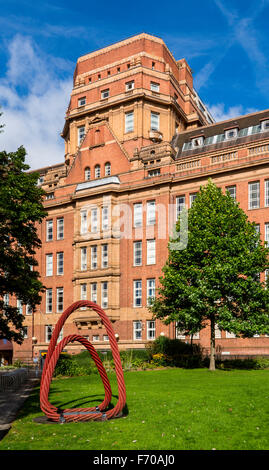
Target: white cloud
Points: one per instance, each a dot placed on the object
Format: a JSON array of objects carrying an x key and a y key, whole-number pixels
[
  {"x": 220, "y": 113},
  {"x": 34, "y": 99}
]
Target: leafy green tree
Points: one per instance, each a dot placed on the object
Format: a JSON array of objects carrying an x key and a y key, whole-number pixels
[
  {"x": 21, "y": 210},
  {"x": 215, "y": 280}
]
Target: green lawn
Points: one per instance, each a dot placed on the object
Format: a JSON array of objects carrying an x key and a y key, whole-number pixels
[{"x": 166, "y": 409}]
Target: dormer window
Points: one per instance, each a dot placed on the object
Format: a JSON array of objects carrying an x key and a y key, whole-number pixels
[
  {"x": 265, "y": 125},
  {"x": 82, "y": 101},
  {"x": 197, "y": 141},
  {"x": 231, "y": 133}
]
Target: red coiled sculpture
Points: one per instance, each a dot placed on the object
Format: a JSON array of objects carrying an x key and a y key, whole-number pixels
[{"x": 82, "y": 414}]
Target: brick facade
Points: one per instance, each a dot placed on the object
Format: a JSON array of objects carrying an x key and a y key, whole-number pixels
[{"x": 129, "y": 156}]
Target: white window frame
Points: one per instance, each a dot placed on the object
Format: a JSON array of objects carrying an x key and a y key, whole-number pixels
[
  {"x": 49, "y": 264},
  {"x": 155, "y": 87},
  {"x": 83, "y": 293},
  {"x": 192, "y": 198},
  {"x": 97, "y": 171},
  {"x": 60, "y": 299},
  {"x": 137, "y": 293},
  {"x": 129, "y": 85},
  {"x": 151, "y": 212},
  {"x": 129, "y": 121},
  {"x": 87, "y": 173},
  {"x": 105, "y": 94},
  {"x": 138, "y": 214},
  {"x": 137, "y": 330},
  {"x": 151, "y": 330},
  {"x": 105, "y": 218},
  {"x": 94, "y": 292},
  {"x": 94, "y": 257},
  {"x": 82, "y": 101},
  {"x": 137, "y": 253},
  {"x": 49, "y": 300},
  {"x": 104, "y": 256},
  {"x": 266, "y": 233},
  {"x": 151, "y": 251},
  {"x": 83, "y": 258},
  {"x": 266, "y": 193},
  {"x": 60, "y": 263},
  {"x": 60, "y": 228},
  {"x": 253, "y": 202},
  {"x": 154, "y": 121},
  {"x": 107, "y": 169},
  {"x": 20, "y": 306},
  {"x": 83, "y": 221},
  {"x": 151, "y": 290},
  {"x": 94, "y": 219},
  {"x": 232, "y": 191},
  {"x": 81, "y": 134},
  {"x": 49, "y": 230},
  {"x": 104, "y": 295},
  {"x": 48, "y": 333}
]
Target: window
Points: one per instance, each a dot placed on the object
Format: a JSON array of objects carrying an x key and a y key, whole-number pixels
[
  {"x": 197, "y": 141},
  {"x": 129, "y": 85},
  {"x": 254, "y": 195},
  {"x": 20, "y": 306},
  {"x": 94, "y": 257},
  {"x": 104, "y": 256},
  {"x": 97, "y": 171},
  {"x": 83, "y": 258},
  {"x": 230, "y": 335},
  {"x": 60, "y": 228},
  {"x": 107, "y": 169},
  {"x": 180, "y": 334},
  {"x": 105, "y": 218},
  {"x": 49, "y": 229},
  {"x": 118, "y": 69},
  {"x": 48, "y": 333},
  {"x": 95, "y": 338},
  {"x": 154, "y": 121},
  {"x": 137, "y": 250},
  {"x": 104, "y": 294},
  {"x": 105, "y": 338},
  {"x": 266, "y": 233},
  {"x": 138, "y": 214},
  {"x": 82, "y": 101},
  {"x": 60, "y": 263},
  {"x": 153, "y": 65},
  {"x": 155, "y": 87},
  {"x": 49, "y": 301},
  {"x": 151, "y": 252},
  {"x": 94, "y": 292},
  {"x": 151, "y": 216},
  {"x": 217, "y": 332},
  {"x": 137, "y": 329},
  {"x": 192, "y": 198},
  {"x": 150, "y": 329},
  {"x": 25, "y": 332},
  {"x": 40, "y": 180},
  {"x": 50, "y": 196},
  {"x": 155, "y": 172},
  {"x": 266, "y": 193},
  {"x": 138, "y": 293},
  {"x": 232, "y": 191},
  {"x": 180, "y": 204},
  {"x": 83, "y": 221},
  {"x": 81, "y": 134},
  {"x": 196, "y": 336},
  {"x": 87, "y": 174},
  {"x": 83, "y": 294},
  {"x": 94, "y": 220},
  {"x": 129, "y": 122},
  {"x": 49, "y": 265},
  {"x": 105, "y": 94},
  {"x": 150, "y": 291},
  {"x": 265, "y": 125},
  {"x": 231, "y": 134},
  {"x": 29, "y": 310},
  {"x": 6, "y": 300},
  {"x": 60, "y": 299}
]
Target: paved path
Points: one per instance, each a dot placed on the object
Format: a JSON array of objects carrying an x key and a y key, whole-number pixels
[{"x": 11, "y": 402}]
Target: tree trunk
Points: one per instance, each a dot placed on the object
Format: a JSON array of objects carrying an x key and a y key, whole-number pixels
[{"x": 212, "y": 365}]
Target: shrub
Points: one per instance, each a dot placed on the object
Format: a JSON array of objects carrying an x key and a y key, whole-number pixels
[
  {"x": 68, "y": 366},
  {"x": 248, "y": 363}
]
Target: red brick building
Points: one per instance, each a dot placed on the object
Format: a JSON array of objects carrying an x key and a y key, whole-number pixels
[{"x": 139, "y": 143}]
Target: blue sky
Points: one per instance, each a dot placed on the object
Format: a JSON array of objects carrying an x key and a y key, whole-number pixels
[{"x": 225, "y": 42}]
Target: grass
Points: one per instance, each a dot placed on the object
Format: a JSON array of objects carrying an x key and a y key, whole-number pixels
[{"x": 166, "y": 409}]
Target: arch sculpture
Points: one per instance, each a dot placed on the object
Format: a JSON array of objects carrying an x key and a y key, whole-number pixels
[{"x": 82, "y": 414}]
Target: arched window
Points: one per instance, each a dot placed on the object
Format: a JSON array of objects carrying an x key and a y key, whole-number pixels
[
  {"x": 107, "y": 169},
  {"x": 97, "y": 171},
  {"x": 87, "y": 173}
]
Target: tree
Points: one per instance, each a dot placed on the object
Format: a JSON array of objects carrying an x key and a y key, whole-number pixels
[
  {"x": 215, "y": 280},
  {"x": 21, "y": 210}
]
